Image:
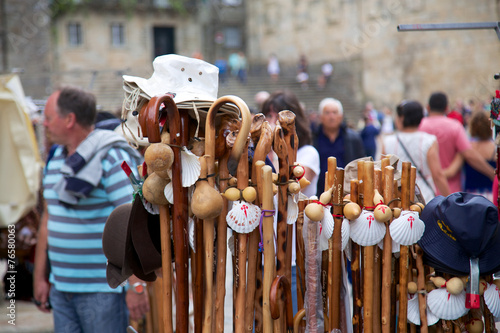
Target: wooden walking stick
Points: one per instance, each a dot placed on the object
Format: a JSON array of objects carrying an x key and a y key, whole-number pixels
[
  {"x": 404, "y": 252},
  {"x": 422, "y": 304},
  {"x": 336, "y": 272},
  {"x": 388, "y": 178},
  {"x": 222, "y": 227},
  {"x": 240, "y": 247},
  {"x": 301, "y": 273},
  {"x": 239, "y": 148},
  {"x": 286, "y": 119},
  {"x": 166, "y": 263},
  {"x": 369, "y": 252},
  {"x": 268, "y": 242},
  {"x": 280, "y": 148},
  {"x": 327, "y": 256},
  {"x": 263, "y": 147},
  {"x": 179, "y": 136},
  {"x": 377, "y": 265},
  {"x": 357, "y": 322}
]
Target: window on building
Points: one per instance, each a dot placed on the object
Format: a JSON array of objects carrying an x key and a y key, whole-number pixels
[
  {"x": 232, "y": 37},
  {"x": 231, "y": 2},
  {"x": 75, "y": 34},
  {"x": 117, "y": 34}
]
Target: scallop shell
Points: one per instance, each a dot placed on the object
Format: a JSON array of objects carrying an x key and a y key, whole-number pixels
[
  {"x": 445, "y": 305},
  {"x": 366, "y": 231},
  {"x": 191, "y": 236},
  {"x": 190, "y": 167},
  {"x": 413, "y": 312},
  {"x": 327, "y": 226},
  {"x": 244, "y": 217},
  {"x": 151, "y": 208},
  {"x": 492, "y": 299},
  {"x": 346, "y": 230},
  {"x": 169, "y": 192},
  {"x": 407, "y": 228},
  {"x": 292, "y": 212}
]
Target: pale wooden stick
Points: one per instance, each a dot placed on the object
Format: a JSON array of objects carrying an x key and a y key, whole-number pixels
[
  {"x": 377, "y": 266},
  {"x": 369, "y": 252},
  {"x": 404, "y": 251},
  {"x": 268, "y": 236},
  {"x": 388, "y": 179},
  {"x": 327, "y": 258}
]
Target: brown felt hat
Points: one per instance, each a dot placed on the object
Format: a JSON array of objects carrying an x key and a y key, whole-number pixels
[{"x": 131, "y": 243}]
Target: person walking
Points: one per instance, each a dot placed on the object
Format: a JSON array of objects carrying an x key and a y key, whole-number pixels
[
  {"x": 82, "y": 184},
  {"x": 417, "y": 147},
  {"x": 334, "y": 138},
  {"x": 452, "y": 140}
]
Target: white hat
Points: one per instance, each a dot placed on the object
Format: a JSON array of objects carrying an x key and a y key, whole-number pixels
[{"x": 194, "y": 83}]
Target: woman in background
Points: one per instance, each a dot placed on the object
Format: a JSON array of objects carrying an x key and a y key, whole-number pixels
[{"x": 417, "y": 147}]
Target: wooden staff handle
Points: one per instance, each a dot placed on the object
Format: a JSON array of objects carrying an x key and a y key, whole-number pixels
[
  {"x": 388, "y": 179},
  {"x": 369, "y": 252},
  {"x": 281, "y": 283},
  {"x": 404, "y": 251},
  {"x": 268, "y": 240}
]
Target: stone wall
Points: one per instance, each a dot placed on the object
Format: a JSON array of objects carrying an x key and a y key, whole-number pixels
[{"x": 391, "y": 65}]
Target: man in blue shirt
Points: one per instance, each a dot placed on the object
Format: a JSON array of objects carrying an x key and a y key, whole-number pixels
[
  {"x": 334, "y": 138},
  {"x": 83, "y": 183}
]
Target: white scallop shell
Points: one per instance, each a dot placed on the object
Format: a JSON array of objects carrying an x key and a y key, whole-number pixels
[
  {"x": 244, "y": 217},
  {"x": 492, "y": 299},
  {"x": 414, "y": 312},
  {"x": 191, "y": 236},
  {"x": 169, "y": 192},
  {"x": 367, "y": 231},
  {"x": 394, "y": 248},
  {"x": 346, "y": 230},
  {"x": 445, "y": 305},
  {"x": 326, "y": 231},
  {"x": 407, "y": 229},
  {"x": 292, "y": 212},
  {"x": 190, "y": 168}
]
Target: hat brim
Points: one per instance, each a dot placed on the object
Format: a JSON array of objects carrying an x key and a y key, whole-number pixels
[{"x": 443, "y": 242}]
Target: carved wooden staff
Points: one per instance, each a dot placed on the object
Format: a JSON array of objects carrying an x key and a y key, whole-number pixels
[
  {"x": 404, "y": 252},
  {"x": 280, "y": 148},
  {"x": 422, "y": 304},
  {"x": 388, "y": 178},
  {"x": 286, "y": 119},
  {"x": 149, "y": 118},
  {"x": 263, "y": 146},
  {"x": 357, "y": 323},
  {"x": 377, "y": 264},
  {"x": 369, "y": 252},
  {"x": 336, "y": 272},
  {"x": 240, "y": 246},
  {"x": 327, "y": 256},
  {"x": 239, "y": 148},
  {"x": 268, "y": 240}
]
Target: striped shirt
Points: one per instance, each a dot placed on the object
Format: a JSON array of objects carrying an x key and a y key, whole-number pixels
[{"x": 75, "y": 251}]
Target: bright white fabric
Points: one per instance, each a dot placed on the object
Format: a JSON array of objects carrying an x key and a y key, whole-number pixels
[
  {"x": 417, "y": 144},
  {"x": 308, "y": 156}
]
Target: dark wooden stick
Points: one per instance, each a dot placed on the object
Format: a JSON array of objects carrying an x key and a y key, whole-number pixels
[
  {"x": 166, "y": 263},
  {"x": 336, "y": 272},
  {"x": 377, "y": 266},
  {"x": 197, "y": 275},
  {"x": 422, "y": 304},
  {"x": 357, "y": 322}
]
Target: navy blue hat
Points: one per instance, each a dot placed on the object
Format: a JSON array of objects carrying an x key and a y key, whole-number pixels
[{"x": 458, "y": 228}]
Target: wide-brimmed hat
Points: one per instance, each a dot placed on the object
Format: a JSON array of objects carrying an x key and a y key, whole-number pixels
[
  {"x": 193, "y": 83},
  {"x": 131, "y": 243},
  {"x": 458, "y": 228}
]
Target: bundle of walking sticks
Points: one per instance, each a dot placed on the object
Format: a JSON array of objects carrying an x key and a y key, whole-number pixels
[{"x": 375, "y": 228}]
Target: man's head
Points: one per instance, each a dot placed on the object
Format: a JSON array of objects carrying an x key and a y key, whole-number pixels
[
  {"x": 331, "y": 113},
  {"x": 438, "y": 102},
  {"x": 66, "y": 109}
]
